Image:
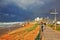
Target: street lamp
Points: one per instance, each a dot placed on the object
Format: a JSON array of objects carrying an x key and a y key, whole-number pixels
[{"x": 55, "y": 12}]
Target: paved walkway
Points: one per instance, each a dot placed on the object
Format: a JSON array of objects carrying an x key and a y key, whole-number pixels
[{"x": 49, "y": 34}]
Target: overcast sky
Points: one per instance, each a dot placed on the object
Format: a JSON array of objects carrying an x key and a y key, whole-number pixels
[{"x": 21, "y": 10}]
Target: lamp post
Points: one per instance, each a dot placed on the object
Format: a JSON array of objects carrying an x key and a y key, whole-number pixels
[{"x": 55, "y": 12}]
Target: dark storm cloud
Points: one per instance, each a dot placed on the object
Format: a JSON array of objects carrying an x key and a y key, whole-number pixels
[{"x": 20, "y": 10}]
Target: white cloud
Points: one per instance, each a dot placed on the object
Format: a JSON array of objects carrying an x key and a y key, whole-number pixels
[{"x": 26, "y": 3}]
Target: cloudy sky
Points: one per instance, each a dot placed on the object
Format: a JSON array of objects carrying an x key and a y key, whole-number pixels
[{"x": 21, "y": 10}]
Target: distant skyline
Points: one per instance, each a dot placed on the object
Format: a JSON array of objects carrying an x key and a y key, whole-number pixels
[{"x": 22, "y": 10}]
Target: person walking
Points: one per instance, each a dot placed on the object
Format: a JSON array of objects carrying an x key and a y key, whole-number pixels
[{"x": 42, "y": 26}]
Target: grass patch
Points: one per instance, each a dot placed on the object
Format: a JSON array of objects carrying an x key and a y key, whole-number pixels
[
  {"x": 32, "y": 28},
  {"x": 58, "y": 27},
  {"x": 50, "y": 25},
  {"x": 53, "y": 27}
]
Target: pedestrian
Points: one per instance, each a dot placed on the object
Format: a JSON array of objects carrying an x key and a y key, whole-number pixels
[{"x": 42, "y": 26}]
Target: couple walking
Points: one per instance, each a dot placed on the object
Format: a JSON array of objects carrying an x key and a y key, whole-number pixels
[{"x": 43, "y": 25}]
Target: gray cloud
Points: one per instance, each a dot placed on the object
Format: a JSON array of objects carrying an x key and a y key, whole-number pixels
[{"x": 23, "y": 3}]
